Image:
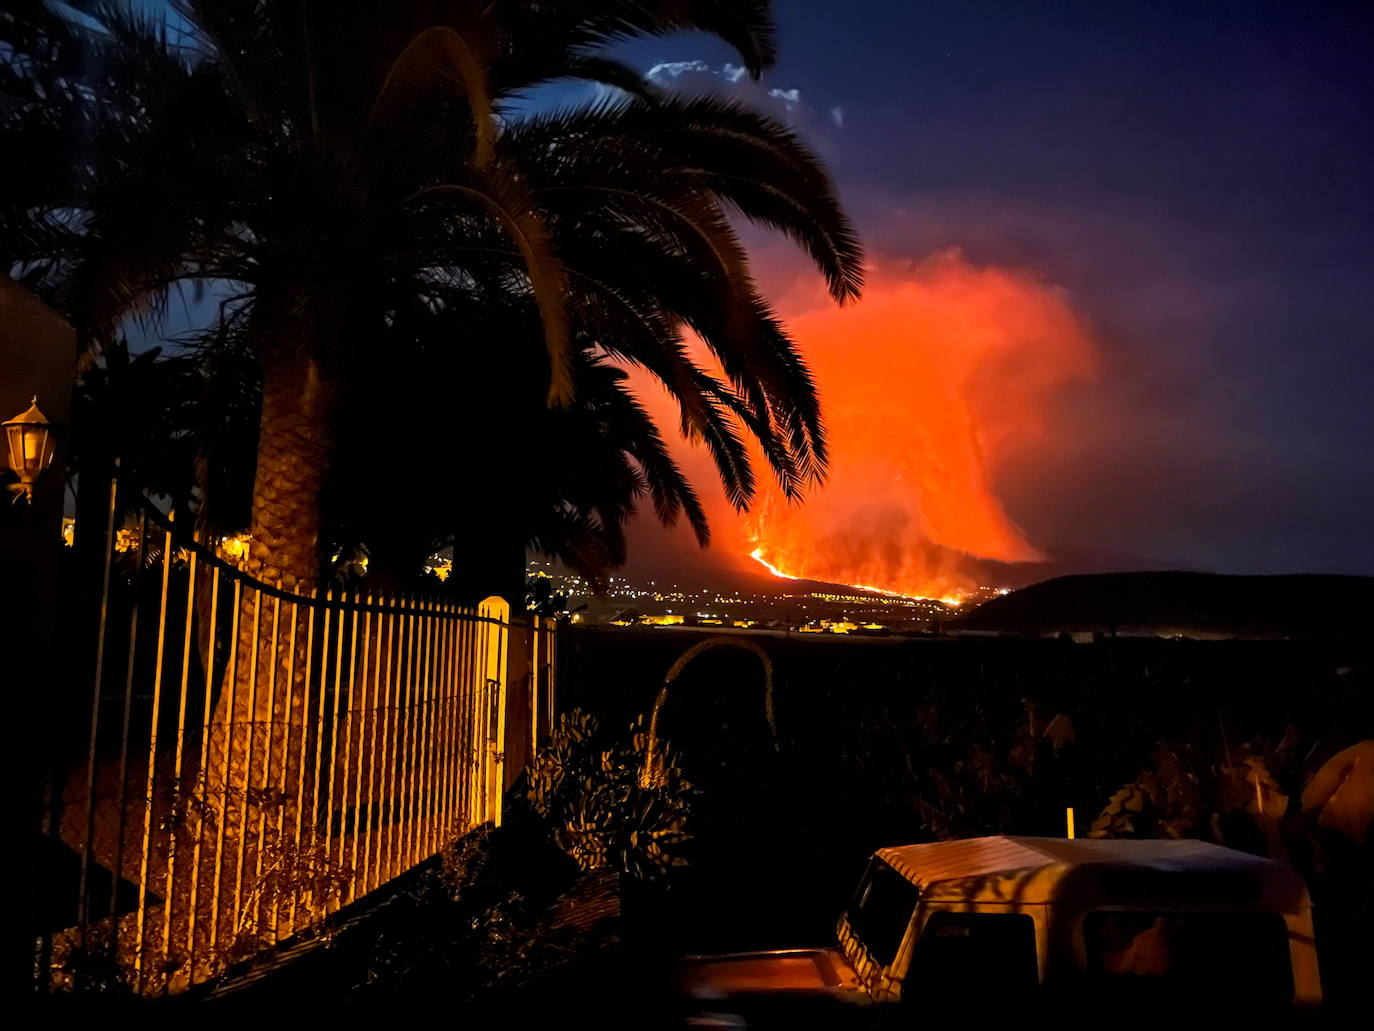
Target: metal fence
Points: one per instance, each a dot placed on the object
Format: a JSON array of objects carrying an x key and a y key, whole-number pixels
[{"x": 257, "y": 759}]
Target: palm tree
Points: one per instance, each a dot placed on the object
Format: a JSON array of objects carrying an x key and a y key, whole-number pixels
[
  {"x": 356, "y": 187},
  {"x": 634, "y": 196},
  {"x": 575, "y": 484},
  {"x": 333, "y": 168}
]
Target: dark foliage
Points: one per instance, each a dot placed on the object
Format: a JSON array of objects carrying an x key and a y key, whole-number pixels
[
  {"x": 357, "y": 181},
  {"x": 891, "y": 742}
]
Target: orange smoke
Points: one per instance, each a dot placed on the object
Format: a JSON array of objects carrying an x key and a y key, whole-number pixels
[
  {"x": 944, "y": 371},
  {"x": 927, "y": 384}
]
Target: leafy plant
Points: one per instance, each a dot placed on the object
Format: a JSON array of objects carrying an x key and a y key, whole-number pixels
[
  {"x": 91, "y": 967},
  {"x": 1244, "y": 798},
  {"x": 601, "y": 812},
  {"x": 1340, "y": 795},
  {"x": 280, "y": 874}
]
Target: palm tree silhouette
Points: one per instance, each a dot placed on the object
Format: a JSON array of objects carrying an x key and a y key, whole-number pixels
[{"x": 351, "y": 178}]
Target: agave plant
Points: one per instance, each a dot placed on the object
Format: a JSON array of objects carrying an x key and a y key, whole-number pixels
[{"x": 601, "y": 813}]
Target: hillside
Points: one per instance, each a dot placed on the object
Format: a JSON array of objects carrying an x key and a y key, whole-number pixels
[{"x": 1190, "y": 604}]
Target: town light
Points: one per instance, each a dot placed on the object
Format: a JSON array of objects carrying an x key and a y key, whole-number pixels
[{"x": 32, "y": 441}]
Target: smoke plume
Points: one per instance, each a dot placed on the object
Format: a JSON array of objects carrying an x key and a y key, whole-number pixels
[{"x": 942, "y": 372}]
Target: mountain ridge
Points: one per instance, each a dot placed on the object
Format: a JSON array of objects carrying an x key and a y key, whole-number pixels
[{"x": 1179, "y": 603}]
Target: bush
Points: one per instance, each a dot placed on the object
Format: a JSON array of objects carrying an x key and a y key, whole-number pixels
[{"x": 602, "y": 806}]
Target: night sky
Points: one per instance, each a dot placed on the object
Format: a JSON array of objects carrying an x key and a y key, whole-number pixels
[
  {"x": 1189, "y": 183},
  {"x": 1195, "y": 177}
]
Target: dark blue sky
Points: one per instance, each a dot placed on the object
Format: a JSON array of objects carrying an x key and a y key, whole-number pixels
[
  {"x": 1195, "y": 175},
  {"x": 1198, "y": 177}
]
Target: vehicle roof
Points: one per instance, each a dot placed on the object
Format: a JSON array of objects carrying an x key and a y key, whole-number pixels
[{"x": 1039, "y": 870}]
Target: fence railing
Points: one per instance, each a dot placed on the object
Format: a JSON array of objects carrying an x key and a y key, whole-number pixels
[{"x": 257, "y": 759}]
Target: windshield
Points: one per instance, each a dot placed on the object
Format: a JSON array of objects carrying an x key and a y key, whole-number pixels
[
  {"x": 881, "y": 911},
  {"x": 1241, "y": 951}
]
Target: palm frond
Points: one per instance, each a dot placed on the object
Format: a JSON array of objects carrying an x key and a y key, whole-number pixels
[
  {"x": 439, "y": 61},
  {"x": 504, "y": 198}
]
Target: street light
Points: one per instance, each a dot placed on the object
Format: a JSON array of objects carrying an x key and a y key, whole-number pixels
[{"x": 32, "y": 442}]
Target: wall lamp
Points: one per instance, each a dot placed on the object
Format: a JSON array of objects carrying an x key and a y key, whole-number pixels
[{"x": 32, "y": 442}]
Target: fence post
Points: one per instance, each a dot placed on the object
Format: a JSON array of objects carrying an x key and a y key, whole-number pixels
[
  {"x": 550, "y": 683},
  {"x": 497, "y": 612},
  {"x": 536, "y": 683}
]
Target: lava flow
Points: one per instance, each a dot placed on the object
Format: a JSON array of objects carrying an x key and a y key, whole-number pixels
[
  {"x": 943, "y": 372},
  {"x": 758, "y": 556}
]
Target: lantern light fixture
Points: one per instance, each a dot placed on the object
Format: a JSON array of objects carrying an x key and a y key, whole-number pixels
[{"x": 32, "y": 442}]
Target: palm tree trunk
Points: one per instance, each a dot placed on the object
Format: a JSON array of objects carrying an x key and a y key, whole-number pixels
[
  {"x": 487, "y": 565},
  {"x": 294, "y": 454},
  {"x": 489, "y": 549},
  {"x": 251, "y": 744}
]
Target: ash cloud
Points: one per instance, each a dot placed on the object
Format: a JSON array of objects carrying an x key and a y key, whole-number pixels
[{"x": 944, "y": 371}]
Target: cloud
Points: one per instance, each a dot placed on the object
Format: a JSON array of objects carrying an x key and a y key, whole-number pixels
[
  {"x": 670, "y": 71},
  {"x": 733, "y": 79},
  {"x": 790, "y": 97}
]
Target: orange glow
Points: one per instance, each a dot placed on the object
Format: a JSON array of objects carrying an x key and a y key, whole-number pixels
[
  {"x": 942, "y": 372},
  {"x": 662, "y": 620},
  {"x": 757, "y": 556},
  {"x": 235, "y": 547}
]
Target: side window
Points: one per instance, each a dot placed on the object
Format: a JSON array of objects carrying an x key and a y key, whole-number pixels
[
  {"x": 1244, "y": 953},
  {"x": 991, "y": 951},
  {"x": 881, "y": 911}
]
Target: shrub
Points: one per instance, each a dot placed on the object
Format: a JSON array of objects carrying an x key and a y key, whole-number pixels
[{"x": 601, "y": 809}]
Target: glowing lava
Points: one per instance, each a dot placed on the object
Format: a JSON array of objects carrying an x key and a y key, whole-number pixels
[
  {"x": 954, "y": 600},
  {"x": 943, "y": 372},
  {"x": 757, "y": 556}
]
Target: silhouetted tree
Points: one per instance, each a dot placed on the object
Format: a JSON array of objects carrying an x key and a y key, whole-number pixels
[{"x": 344, "y": 172}]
